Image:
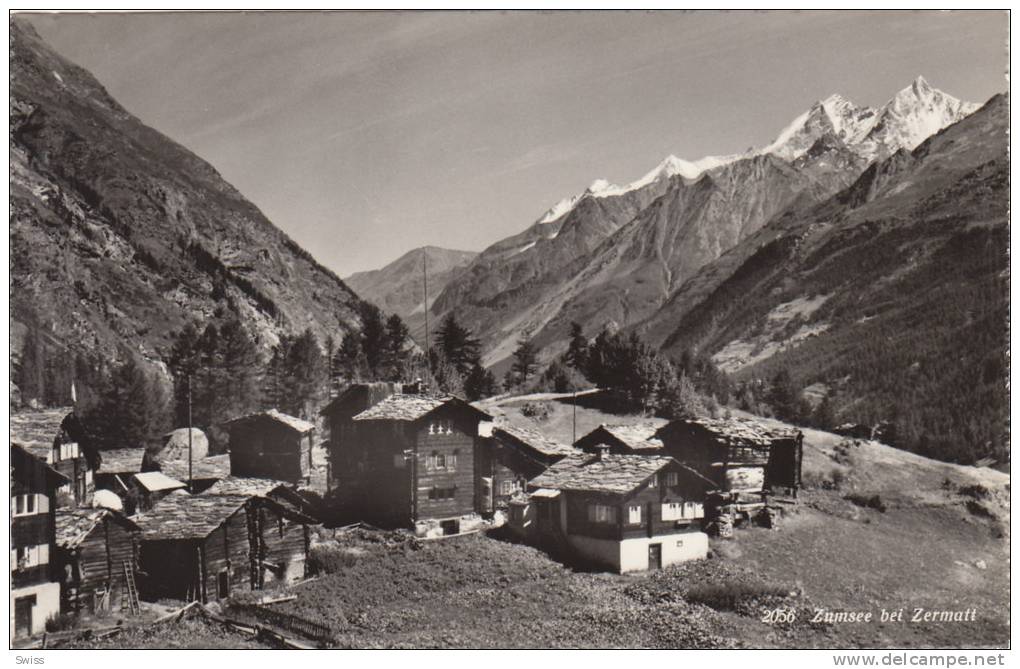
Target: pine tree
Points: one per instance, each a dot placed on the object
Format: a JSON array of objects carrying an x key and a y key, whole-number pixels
[
  {"x": 525, "y": 359},
  {"x": 373, "y": 339},
  {"x": 577, "y": 351},
  {"x": 397, "y": 334},
  {"x": 457, "y": 345},
  {"x": 304, "y": 374},
  {"x": 480, "y": 383}
]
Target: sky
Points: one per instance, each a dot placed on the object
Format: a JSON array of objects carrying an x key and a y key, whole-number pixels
[{"x": 366, "y": 134}]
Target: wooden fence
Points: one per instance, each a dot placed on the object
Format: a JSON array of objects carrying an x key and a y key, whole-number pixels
[{"x": 285, "y": 621}]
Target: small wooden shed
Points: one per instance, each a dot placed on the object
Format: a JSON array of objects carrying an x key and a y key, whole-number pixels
[
  {"x": 623, "y": 440},
  {"x": 148, "y": 488},
  {"x": 97, "y": 553},
  {"x": 271, "y": 444},
  {"x": 203, "y": 547}
]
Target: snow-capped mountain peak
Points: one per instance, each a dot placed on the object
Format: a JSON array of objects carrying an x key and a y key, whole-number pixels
[{"x": 911, "y": 116}]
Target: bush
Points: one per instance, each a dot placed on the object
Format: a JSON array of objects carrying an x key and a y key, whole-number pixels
[
  {"x": 737, "y": 596},
  {"x": 326, "y": 559},
  {"x": 535, "y": 410},
  {"x": 868, "y": 502}
]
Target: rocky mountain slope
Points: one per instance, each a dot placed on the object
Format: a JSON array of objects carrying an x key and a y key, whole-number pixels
[
  {"x": 614, "y": 255},
  {"x": 893, "y": 293},
  {"x": 119, "y": 235},
  {"x": 398, "y": 288}
]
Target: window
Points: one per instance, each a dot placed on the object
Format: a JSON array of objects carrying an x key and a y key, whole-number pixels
[
  {"x": 682, "y": 511},
  {"x": 443, "y": 493},
  {"x": 30, "y": 556},
  {"x": 634, "y": 514},
  {"x": 601, "y": 513},
  {"x": 507, "y": 487},
  {"x": 672, "y": 479},
  {"x": 451, "y": 461},
  {"x": 441, "y": 427},
  {"x": 438, "y": 460},
  {"x": 654, "y": 481},
  {"x": 27, "y": 505}
]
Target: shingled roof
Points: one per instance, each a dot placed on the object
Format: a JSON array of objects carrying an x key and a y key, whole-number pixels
[
  {"x": 74, "y": 525},
  {"x": 37, "y": 431},
  {"x": 532, "y": 438},
  {"x": 294, "y": 423},
  {"x": 121, "y": 460},
  {"x": 619, "y": 474},
  {"x": 636, "y": 437},
  {"x": 211, "y": 467}
]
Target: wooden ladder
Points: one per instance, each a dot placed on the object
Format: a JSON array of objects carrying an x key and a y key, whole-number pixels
[{"x": 132, "y": 590}]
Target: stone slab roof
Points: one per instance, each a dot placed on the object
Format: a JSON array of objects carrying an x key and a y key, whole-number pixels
[
  {"x": 636, "y": 437},
  {"x": 402, "y": 407},
  {"x": 533, "y": 438},
  {"x": 238, "y": 485},
  {"x": 74, "y": 525},
  {"x": 619, "y": 474},
  {"x": 36, "y": 431},
  {"x": 121, "y": 460},
  {"x": 211, "y": 467},
  {"x": 297, "y": 424},
  {"x": 188, "y": 516},
  {"x": 737, "y": 431}
]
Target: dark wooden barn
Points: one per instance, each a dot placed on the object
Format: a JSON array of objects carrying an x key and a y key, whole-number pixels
[
  {"x": 270, "y": 444},
  {"x": 203, "y": 547},
  {"x": 623, "y": 440},
  {"x": 746, "y": 459},
  {"x": 278, "y": 491},
  {"x": 508, "y": 459},
  {"x": 409, "y": 460},
  {"x": 97, "y": 556},
  {"x": 53, "y": 435},
  {"x": 35, "y": 592}
]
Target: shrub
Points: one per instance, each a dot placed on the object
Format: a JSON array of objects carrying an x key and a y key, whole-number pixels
[
  {"x": 736, "y": 596},
  {"x": 326, "y": 559},
  {"x": 977, "y": 491},
  {"x": 536, "y": 410},
  {"x": 868, "y": 502}
]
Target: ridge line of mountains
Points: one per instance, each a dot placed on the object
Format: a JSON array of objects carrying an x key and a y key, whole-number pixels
[{"x": 864, "y": 251}]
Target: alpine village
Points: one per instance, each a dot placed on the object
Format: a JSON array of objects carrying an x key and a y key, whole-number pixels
[{"x": 773, "y": 381}]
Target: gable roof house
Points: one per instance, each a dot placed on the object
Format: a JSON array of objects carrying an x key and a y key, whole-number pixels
[
  {"x": 35, "y": 591},
  {"x": 409, "y": 461},
  {"x": 623, "y": 440},
  {"x": 510, "y": 457},
  {"x": 746, "y": 459},
  {"x": 621, "y": 512},
  {"x": 271, "y": 444},
  {"x": 204, "y": 547},
  {"x": 97, "y": 555},
  {"x": 278, "y": 491},
  {"x": 52, "y": 436}
]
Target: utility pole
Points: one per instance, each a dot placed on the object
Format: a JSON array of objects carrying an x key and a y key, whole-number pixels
[
  {"x": 425, "y": 276},
  {"x": 190, "y": 486},
  {"x": 574, "y": 404}
]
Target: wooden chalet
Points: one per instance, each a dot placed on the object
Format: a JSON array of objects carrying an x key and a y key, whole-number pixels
[
  {"x": 621, "y": 512},
  {"x": 409, "y": 461},
  {"x": 97, "y": 559},
  {"x": 270, "y": 444},
  {"x": 204, "y": 547},
  {"x": 35, "y": 591},
  {"x": 508, "y": 459},
  {"x": 745, "y": 459},
  {"x": 52, "y": 435},
  {"x": 623, "y": 440},
  {"x": 148, "y": 488}
]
